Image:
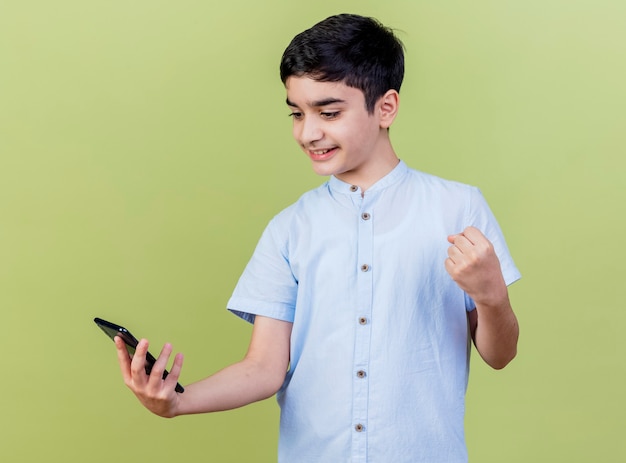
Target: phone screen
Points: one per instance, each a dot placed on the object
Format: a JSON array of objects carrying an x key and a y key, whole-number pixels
[{"x": 112, "y": 330}]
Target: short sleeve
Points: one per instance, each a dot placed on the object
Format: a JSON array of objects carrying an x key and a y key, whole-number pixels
[
  {"x": 267, "y": 286},
  {"x": 481, "y": 217}
]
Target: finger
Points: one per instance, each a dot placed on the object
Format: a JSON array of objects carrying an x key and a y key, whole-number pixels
[
  {"x": 450, "y": 266},
  {"x": 460, "y": 239},
  {"x": 474, "y": 235},
  {"x": 172, "y": 378},
  {"x": 452, "y": 238},
  {"x": 156, "y": 376},
  {"x": 455, "y": 254},
  {"x": 138, "y": 363},
  {"x": 123, "y": 358},
  {"x": 481, "y": 246},
  {"x": 462, "y": 244},
  {"x": 457, "y": 260}
]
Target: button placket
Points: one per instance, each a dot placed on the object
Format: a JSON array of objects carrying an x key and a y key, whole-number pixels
[{"x": 362, "y": 327}]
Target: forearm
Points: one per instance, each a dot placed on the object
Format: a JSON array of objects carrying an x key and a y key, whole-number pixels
[
  {"x": 237, "y": 385},
  {"x": 496, "y": 332},
  {"x": 473, "y": 264},
  {"x": 258, "y": 376}
]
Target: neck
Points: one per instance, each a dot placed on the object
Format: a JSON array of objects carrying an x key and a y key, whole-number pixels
[{"x": 383, "y": 162}]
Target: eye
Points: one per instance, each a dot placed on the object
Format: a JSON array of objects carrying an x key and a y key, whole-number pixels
[
  {"x": 329, "y": 115},
  {"x": 296, "y": 115}
]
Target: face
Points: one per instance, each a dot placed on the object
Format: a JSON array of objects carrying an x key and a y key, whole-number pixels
[{"x": 334, "y": 129}]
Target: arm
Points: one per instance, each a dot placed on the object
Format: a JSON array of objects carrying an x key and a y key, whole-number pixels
[
  {"x": 473, "y": 265},
  {"x": 257, "y": 376}
]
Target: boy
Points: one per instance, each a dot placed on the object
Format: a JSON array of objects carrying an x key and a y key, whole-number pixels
[{"x": 366, "y": 292}]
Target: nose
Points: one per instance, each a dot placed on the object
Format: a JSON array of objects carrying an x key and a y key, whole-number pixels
[{"x": 308, "y": 131}]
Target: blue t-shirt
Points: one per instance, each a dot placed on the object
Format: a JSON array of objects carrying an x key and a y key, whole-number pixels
[{"x": 380, "y": 344}]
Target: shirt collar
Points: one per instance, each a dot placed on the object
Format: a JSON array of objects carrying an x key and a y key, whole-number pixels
[{"x": 339, "y": 186}]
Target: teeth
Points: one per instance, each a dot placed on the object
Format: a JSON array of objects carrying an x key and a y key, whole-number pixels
[{"x": 320, "y": 152}]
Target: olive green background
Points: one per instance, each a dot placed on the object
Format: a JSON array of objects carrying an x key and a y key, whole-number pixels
[{"x": 145, "y": 144}]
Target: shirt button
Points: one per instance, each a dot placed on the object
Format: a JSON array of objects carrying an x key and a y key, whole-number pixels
[
  {"x": 363, "y": 320},
  {"x": 365, "y": 268},
  {"x": 365, "y": 216},
  {"x": 353, "y": 188},
  {"x": 361, "y": 374},
  {"x": 359, "y": 428}
]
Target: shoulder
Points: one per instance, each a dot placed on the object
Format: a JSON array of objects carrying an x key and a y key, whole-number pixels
[
  {"x": 309, "y": 201},
  {"x": 430, "y": 184}
]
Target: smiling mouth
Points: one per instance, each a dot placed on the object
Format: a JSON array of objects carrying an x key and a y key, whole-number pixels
[{"x": 321, "y": 154}]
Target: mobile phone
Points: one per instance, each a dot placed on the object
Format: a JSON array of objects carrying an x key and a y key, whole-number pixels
[{"x": 112, "y": 330}]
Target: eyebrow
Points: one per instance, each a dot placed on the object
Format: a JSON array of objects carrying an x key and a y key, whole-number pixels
[{"x": 318, "y": 103}]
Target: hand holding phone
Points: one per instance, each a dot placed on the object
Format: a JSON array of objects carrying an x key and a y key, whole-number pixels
[{"x": 112, "y": 330}]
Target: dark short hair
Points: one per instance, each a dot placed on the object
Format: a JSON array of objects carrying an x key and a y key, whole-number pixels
[{"x": 356, "y": 50}]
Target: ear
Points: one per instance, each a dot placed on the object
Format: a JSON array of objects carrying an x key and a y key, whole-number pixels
[{"x": 388, "y": 106}]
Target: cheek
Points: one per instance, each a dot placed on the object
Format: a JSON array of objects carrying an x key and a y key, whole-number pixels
[{"x": 360, "y": 135}]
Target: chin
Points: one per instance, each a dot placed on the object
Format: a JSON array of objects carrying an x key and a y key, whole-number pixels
[{"x": 324, "y": 170}]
